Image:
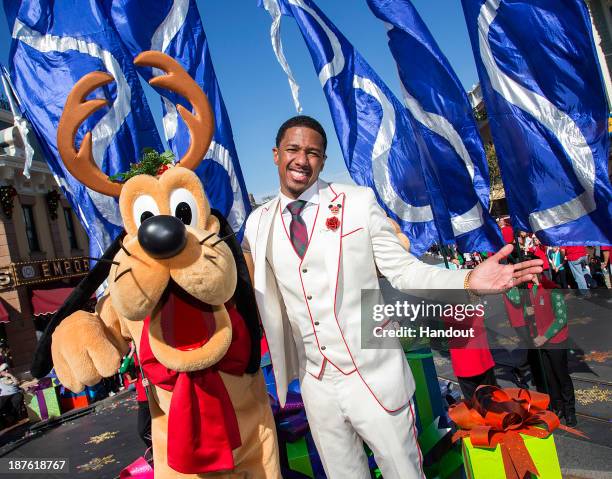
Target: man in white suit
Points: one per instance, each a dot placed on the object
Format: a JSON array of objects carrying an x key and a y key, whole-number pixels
[{"x": 311, "y": 251}]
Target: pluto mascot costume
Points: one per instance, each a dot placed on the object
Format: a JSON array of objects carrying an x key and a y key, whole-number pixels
[{"x": 172, "y": 290}]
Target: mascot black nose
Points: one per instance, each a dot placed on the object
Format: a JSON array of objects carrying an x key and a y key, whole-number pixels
[{"x": 162, "y": 236}]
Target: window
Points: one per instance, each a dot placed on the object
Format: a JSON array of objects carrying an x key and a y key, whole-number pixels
[
  {"x": 70, "y": 229},
  {"x": 30, "y": 227}
]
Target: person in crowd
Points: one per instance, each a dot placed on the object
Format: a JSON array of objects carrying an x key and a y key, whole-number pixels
[
  {"x": 557, "y": 264},
  {"x": 144, "y": 413},
  {"x": 506, "y": 230},
  {"x": 550, "y": 312},
  {"x": 595, "y": 277},
  {"x": 525, "y": 242},
  {"x": 576, "y": 257},
  {"x": 11, "y": 396},
  {"x": 523, "y": 356},
  {"x": 605, "y": 265},
  {"x": 5, "y": 353},
  {"x": 539, "y": 251},
  {"x": 471, "y": 358},
  {"x": 469, "y": 262}
]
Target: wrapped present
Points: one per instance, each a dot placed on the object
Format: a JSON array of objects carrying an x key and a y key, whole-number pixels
[
  {"x": 485, "y": 463},
  {"x": 507, "y": 434},
  {"x": 43, "y": 403},
  {"x": 298, "y": 456},
  {"x": 70, "y": 400},
  {"x": 95, "y": 393},
  {"x": 303, "y": 459},
  {"x": 440, "y": 458}
]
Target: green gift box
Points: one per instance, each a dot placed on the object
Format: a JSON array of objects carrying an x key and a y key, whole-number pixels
[
  {"x": 487, "y": 463},
  {"x": 43, "y": 404},
  {"x": 299, "y": 457}
]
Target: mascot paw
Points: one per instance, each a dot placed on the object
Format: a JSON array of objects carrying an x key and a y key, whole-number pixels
[{"x": 84, "y": 351}]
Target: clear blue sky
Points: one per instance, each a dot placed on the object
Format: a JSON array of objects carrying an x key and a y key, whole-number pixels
[{"x": 255, "y": 88}]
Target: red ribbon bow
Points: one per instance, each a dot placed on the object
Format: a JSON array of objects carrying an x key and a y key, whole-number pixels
[
  {"x": 499, "y": 416},
  {"x": 202, "y": 425}
]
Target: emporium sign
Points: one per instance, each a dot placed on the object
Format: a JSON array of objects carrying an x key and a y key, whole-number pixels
[{"x": 35, "y": 272}]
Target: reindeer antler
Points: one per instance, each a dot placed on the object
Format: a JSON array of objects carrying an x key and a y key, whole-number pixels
[
  {"x": 201, "y": 124},
  {"x": 81, "y": 163}
]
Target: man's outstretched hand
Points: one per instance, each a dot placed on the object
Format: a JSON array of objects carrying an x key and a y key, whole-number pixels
[{"x": 490, "y": 275}]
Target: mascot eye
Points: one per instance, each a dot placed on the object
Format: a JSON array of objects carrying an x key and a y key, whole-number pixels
[
  {"x": 144, "y": 207},
  {"x": 184, "y": 206}
]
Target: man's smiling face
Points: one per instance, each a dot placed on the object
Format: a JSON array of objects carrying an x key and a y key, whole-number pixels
[{"x": 300, "y": 157}]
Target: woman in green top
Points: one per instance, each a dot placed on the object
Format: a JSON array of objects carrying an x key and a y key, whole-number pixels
[{"x": 557, "y": 266}]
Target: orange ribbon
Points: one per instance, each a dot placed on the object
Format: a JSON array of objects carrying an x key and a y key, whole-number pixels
[{"x": 499, "y": 416}]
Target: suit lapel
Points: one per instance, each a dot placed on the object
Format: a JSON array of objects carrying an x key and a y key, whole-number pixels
[
  {"x": 263, "y": 236},
  {"x": 327, "y": 241}
]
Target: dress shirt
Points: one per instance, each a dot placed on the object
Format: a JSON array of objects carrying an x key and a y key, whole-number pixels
[{"x": 309, "y": 213}]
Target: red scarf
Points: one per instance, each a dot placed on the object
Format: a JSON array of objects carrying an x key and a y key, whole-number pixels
[{"x": 202, "y": 425}]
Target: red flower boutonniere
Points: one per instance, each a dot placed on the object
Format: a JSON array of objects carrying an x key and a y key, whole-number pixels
[{"x": 332, "y": 223}]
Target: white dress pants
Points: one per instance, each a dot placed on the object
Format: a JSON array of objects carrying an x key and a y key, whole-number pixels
[{"x": 343, "y": 413}]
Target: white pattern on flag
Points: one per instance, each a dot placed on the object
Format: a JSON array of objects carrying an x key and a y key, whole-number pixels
[
  {"x": 103, "y": 133},
  {"x": 557, "y": 121}
]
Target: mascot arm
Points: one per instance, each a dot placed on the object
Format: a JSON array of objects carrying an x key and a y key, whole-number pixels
[{"x": 87, "y": 347}]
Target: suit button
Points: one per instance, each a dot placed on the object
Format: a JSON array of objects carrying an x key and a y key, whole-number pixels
[
  {"x": 304, "y": 270},
  {"x": 316, "y": 323},
  {"x": 322, "y": 348},
  {"x": 309, "y": 297}
]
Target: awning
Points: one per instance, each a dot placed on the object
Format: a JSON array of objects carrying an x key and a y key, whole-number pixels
[
  {"x": 46, "y": 301},
  {"x": 4, "y": 316}
]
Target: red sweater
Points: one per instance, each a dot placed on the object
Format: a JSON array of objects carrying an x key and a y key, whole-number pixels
[
  {"x": 540, "y": 252},
  {"x": 572, "y": 253},
  {"x": 508, "y": 234},
  {"x": 549, "y": 310}
]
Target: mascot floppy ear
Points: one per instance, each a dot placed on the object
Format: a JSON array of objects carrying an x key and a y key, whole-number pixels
[
  {"x": 244, "y": 296},
  {"x": 42, "y": 362}
]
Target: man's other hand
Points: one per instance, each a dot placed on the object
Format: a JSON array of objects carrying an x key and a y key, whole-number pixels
[{"x": 491, "y": 275}]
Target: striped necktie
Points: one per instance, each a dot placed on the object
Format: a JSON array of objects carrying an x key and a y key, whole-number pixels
[{"x": 297, "y": 228}]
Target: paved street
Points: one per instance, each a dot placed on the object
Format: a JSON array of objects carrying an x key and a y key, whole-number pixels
[{"x": 97, "y": 445}]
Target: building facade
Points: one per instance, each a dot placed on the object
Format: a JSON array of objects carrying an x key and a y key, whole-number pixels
[
  {"x": 601, "y": 19},
  {"x": 43, "y": 247}
]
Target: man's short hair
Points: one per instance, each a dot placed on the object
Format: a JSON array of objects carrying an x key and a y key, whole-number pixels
[{"x": 305, "y": 121}]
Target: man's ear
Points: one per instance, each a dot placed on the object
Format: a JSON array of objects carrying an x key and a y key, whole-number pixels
[
  {"x": 213, "y": 224},
  {"x": 275, "y": 155}
]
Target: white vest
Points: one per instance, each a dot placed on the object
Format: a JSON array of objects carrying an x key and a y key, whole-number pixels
[{"x": 314, "y": 328}]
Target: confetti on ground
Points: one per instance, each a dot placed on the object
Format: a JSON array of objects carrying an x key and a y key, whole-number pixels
[
  {"x": 440, "y": 361},
  {"x": 507, "y": 341},
  {"x": 97, "y": 463},
  {"x": 593, "y": 395},
  {"x": 598, "y": 356},
  {"x": 105, "y": 436},
  {"x": 580, "y": 320}
]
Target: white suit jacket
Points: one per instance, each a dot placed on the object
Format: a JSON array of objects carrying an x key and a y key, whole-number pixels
[{"x": 364, "y": 241}]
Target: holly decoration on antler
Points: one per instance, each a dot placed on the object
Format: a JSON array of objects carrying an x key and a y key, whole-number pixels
[{"x": 152, "y": 163}]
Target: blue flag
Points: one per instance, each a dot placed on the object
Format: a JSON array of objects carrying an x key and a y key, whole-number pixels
[
  {"x": 54, "y": 45},
  {"x": 175, "y": 28},
  {"x": 437, "y": 101},
  {"x": 380, "y": 146},
  {"x": 548, "y": 115}
]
